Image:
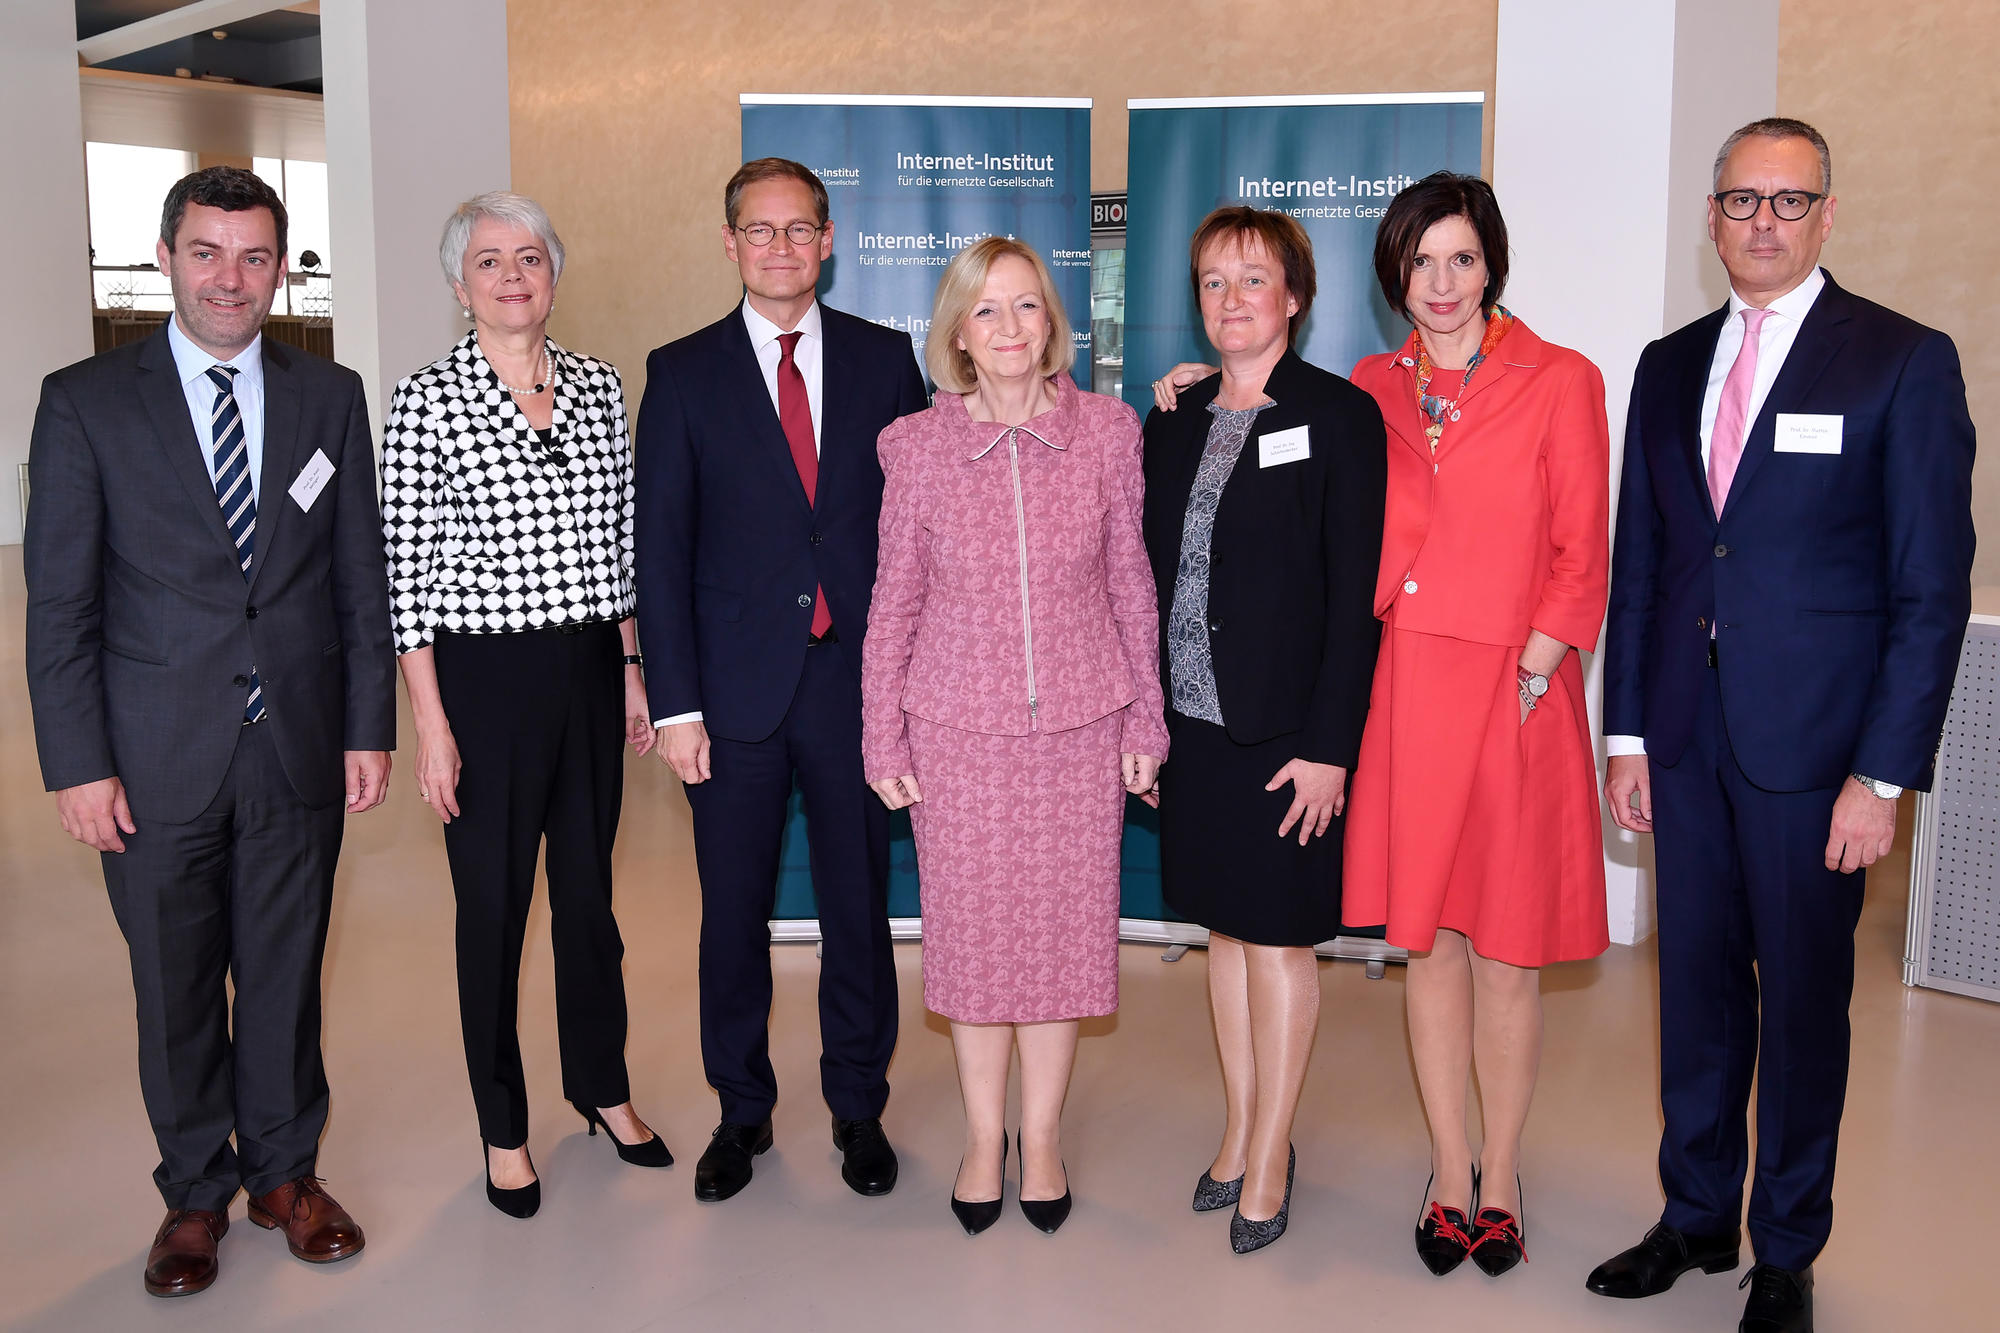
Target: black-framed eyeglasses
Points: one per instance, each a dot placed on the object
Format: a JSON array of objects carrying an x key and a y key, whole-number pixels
[
  {"x": 761, "y": 234},
  {"x": 1786, "y": 205}
]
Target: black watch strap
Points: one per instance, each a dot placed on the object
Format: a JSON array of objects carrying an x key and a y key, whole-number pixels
[{"x": 633, "y": 659}]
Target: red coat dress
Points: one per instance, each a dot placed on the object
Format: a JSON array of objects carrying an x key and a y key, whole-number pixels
[{"x": 1460, "y": 815}]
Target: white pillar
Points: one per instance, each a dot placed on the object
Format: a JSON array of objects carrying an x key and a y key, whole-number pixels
[
  {"x": 42, "y": 155},
  {"x": 416, "y": 121},
  {"x": 1607, "y": 118}
]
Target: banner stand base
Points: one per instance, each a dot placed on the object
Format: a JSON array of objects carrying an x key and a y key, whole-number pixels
[{"x": 1178, "y": 936}]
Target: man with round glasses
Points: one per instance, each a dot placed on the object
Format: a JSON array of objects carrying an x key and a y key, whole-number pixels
[
  {"x": 758, "y": 494},
  {"x": 1790, "y": 584}
]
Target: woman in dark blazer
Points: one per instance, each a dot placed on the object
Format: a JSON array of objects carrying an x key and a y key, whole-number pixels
[{"x": 1263, "y": 518}]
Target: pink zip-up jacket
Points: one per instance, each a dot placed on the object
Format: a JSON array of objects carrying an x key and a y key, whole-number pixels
[{"x": 1012, "y": 593}]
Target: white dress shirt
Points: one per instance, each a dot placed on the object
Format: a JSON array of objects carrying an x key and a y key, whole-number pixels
[
  {"x": 807, "y": 355},
  {"x": 1774, "y": 344},
  {"x": 193, "y": 366}
]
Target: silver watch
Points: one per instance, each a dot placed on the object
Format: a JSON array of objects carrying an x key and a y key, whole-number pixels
[{"x": 1888, "y": 791}]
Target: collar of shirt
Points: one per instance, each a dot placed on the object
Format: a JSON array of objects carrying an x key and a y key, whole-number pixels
[
  {"x": 1792, "y": 306},
  {"x": 193, "y": 363},
  {"x": 806, "y": 356}
]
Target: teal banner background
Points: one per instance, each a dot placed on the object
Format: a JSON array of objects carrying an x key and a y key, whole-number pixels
[
  {"x": 1186, "y": 161},
  {"x": 1014, "y": 170}
]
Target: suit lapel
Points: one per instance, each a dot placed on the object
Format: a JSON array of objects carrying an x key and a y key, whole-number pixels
[
  {"x": 744, "y": 381},
  {"x": 1820, "y": 339},
  {"x": 281, "y": 441},
  {"x": 166, "y": 404},
  {"x": 1695, "y": 364}
]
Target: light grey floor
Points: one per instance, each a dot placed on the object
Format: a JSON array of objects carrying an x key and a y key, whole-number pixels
[{"x": 616, "y": 1248}]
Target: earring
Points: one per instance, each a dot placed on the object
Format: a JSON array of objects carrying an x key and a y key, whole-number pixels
[{"x": 465, "y": 311}]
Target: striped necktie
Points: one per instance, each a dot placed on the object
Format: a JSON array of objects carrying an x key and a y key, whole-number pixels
[{"x": 233, "y": 491}]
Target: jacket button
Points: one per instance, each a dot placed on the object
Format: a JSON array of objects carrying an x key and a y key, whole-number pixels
[
  {"x": 1409, "y": 585},
  {"x": 1720, "y": 550},
  {"x": 805, "y": 599},
  {"x": 249, "y": 613},
  {"x": 1215, "y": 626},
  {"x": 1701, "y": 622},
  {"x": 814, "y": 539},
  {"x": 240, "y": 682}
]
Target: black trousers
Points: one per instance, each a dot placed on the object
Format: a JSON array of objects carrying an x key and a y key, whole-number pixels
[
  {"x": 539, "y": 717},
  {"x": 1756, "y": 970},
  {"x": 739, "y": 817},
  {"x": 243, "y": 891}
]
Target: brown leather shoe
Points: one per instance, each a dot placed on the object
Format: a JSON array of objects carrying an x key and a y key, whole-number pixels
[
  {"x": 182, "y": 1260},
  {"x": 318, "y": 1229}
]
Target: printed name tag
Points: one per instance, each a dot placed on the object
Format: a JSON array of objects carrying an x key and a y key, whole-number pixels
[
  {"x": 312, "y": 480},
  {"x": 1283, "y": 446},
  {"x": 1807, "y": 433}
]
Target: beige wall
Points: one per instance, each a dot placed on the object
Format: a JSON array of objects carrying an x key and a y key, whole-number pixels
[
  {"x": 625, "y": 124},
  {"x": 1906, "y": 97}
]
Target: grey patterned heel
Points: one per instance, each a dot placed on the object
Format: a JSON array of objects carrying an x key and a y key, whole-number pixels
[
  {"x": 1211, "y": 1194},
  {"x": 1246, "y": 1235}
]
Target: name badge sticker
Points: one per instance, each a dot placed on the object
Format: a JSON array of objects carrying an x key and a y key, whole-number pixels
[
  {"x": 1283, "y": 446},
  {"x": 1807, "y": 433},
  {"x": 312, "y": 479}
]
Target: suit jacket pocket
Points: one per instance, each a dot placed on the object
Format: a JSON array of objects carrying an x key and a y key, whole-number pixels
[
  {"x": 133, "y": 654},
  {"x": 717, "y": 603}
]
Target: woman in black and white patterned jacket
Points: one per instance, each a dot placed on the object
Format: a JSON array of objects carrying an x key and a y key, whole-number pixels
[{"x": 507, "y": 508}]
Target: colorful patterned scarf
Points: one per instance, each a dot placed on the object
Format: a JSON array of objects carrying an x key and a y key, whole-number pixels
[{"x": 1436, "y": 409}]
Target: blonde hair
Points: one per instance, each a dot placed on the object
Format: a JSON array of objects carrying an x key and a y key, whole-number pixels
[{"x": 959, "y": 290}]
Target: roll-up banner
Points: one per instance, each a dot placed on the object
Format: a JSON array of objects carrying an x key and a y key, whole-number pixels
[
  {"x": 1333, "y": 162},
  {"x": 911, "y": 181}
]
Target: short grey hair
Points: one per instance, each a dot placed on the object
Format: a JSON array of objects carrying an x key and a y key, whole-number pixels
[
  {"x": 502, "y": 206},
  {"x": 1778, "y": 127}
]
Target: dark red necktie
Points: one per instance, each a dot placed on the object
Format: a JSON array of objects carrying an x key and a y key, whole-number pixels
[{"x": 795, "y": 415}]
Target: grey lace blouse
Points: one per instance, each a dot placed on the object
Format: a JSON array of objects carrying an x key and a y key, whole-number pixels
[{"x": 1191, "y": 668}]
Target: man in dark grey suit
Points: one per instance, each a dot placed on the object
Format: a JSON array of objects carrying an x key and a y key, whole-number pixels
[{"x": 210, "y": 667}]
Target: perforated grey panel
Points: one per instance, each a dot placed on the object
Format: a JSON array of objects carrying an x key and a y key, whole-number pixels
[{"x": 1963, "y": 944}]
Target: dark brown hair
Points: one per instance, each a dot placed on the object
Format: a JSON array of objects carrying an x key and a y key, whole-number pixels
[
  {"x": 1283, "y": 239},
  {"x": 231, "y": 189},
  {"x": 772, "y": 169},
  {"x": 1440, "y": 195}
]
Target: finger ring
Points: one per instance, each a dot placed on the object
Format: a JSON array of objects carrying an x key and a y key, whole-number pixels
[{"x": 423, "y": 795}]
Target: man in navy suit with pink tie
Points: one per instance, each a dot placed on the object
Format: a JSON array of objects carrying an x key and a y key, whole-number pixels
[
  {"x": 758, "y": 495},
  {"x": 1791, "y": 579}
]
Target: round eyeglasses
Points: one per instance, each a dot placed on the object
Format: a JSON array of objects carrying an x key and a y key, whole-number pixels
[
  {"x": 1786, "y": 205},
  {"x": 761, "y": 234}
]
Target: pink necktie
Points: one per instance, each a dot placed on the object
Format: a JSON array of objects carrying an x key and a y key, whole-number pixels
[{"x": 1725, "y": 443}]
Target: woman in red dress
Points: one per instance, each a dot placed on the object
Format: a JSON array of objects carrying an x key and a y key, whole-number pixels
[{"x": 1472, "y": 828}]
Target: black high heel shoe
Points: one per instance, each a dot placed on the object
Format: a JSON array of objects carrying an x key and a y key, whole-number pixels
[
  {"x": 1211, "y": 1194},
  {"x": 653, "y": 1152},
  {"x": 1246, "y": 1234},
  {"x": 524, "y": 1202},
  {"x": 1444, "y": 1237},
  {"x": 1046, "y": 1215},
  {"x": 1499, "y": 1243},
  {"x": 976, "y": 1217}
]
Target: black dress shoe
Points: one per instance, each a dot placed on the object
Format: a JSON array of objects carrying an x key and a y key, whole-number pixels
[
  {"x": 724, "y": 1168},
  {"x": 1444, "y": 1237},
  {"x": 977, "y": 1215},
  {"x": 1650, "y": 1267},
  {"x": 1780, "y": 1300},
  {"x": 1044, "y": 1215},
  {"x": 868, "y": 1163},
  {"x": 652, "y": 1152},
  {"x": 1498, "y": 1243}
]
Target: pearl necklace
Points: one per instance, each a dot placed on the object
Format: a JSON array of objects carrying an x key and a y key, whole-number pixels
[{"x": 544, "y": 375}]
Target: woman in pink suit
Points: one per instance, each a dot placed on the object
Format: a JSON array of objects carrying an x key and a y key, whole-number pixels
[
  {"x": 1473, "y": 830},
  {"x": 1011, "y": 698}
]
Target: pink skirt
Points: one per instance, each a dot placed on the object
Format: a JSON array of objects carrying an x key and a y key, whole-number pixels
[{"x": 1017, "y": 869}]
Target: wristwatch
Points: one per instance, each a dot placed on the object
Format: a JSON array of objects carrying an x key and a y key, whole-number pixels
[
  {"x": 1888, "y": 791},
  {"x": 1533, "y": 687}
]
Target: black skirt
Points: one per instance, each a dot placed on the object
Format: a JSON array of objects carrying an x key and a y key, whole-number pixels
[{"x": 1222, "y": 863}]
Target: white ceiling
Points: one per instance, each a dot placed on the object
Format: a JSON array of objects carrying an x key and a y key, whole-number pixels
[{"x": 230, "y": 120}]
